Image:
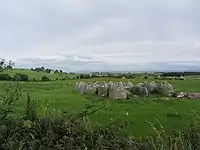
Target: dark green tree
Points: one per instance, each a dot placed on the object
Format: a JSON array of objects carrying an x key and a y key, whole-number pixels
[{"x": 4, "y": 66}]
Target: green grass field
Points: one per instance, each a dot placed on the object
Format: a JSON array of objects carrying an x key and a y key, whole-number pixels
[
  {"x": 37, "y": 75},
  {"x": 61, "y": 96}
]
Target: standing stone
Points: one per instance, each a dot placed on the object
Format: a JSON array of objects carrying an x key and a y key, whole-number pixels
[
  {"x": 152, "y": 86},
  {"x": 81, "y": 87},
  {"x": 110, "y": 83},
  {"x": 143, "y": 90},
  {"x": 140, "y": 85},
  {"x": 128, "y": 85},
  {"x": 118, "y": 93},
  {"x": 91, "y": 88},
  {"x": 121, "y": 84},
  {"x": 164, "y": 88},
  {"x": 103, "y": 89}
]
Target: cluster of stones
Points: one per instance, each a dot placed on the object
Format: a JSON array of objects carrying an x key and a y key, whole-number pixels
[
  {"x": 189, "y": 95},
  {"x": 124, "y": 90}
]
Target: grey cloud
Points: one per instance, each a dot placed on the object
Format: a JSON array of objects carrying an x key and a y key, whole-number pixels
[
  {"x": 103, "y": 34},
  {"x": 89, "y": 66},
  {"x": 66, "y": 64},
  {"x": 77, "y": 56}
]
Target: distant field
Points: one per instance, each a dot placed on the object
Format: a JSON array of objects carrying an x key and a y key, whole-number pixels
[
  {"x": 38, "y": 75},
  {"x": 60, "y": 95}
]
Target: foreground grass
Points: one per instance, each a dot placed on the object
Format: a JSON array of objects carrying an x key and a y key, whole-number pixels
[
  {"x": 61, "y": 96},
  {"x": 73, "y": 131}
]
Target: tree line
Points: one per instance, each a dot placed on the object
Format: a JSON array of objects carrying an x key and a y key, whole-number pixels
[
  {"x": 178, "y": 74},
  {"x": 47, "y": 70}
]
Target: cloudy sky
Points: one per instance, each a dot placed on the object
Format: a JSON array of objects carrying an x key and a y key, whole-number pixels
[{"x": 95, "y": 35}]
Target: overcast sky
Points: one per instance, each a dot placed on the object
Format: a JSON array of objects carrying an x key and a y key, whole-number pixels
[{"x": 99, "y": 34}]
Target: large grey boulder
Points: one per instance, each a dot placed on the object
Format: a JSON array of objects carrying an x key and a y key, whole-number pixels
[
  {"x": 118, "y": 93},
  {"x": 142, "y": 90},
  {"x": 122, "y": 90},
  {"x": 128, "y": 85},
  {"x": 103, "y": 89},
  {"x": 81, "y": 87},
  {"x": 119, "y": 84},
  {"x": 134, "y": 89},
  {"x": 77, "y": 84},
  {"x": 164, "y": 88},
  {"x": 140, "y": 85},
  {"x": 91, "y": 88},
  {"x": 151, "y": 86},
  {"x": 110, "y": 83}
]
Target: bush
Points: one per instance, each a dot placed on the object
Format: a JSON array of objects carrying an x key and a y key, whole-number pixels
[
  {"x": 47, "y": 70},
  {"x": 5, "y": 77},
  {"x": 56, "y": 71},
  {"x": 45, "y": 78},
  {"x": 20, "y": 77}
]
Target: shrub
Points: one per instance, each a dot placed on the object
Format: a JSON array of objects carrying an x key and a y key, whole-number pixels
[
  {"x": 56, "y": 71},
  {"x": 47, "y": 70},
  {"x": 81, "y": 76},
  {"x": 20, "y": 77},
  {"x": 5, "y": 77},
  {"x": 94, "y": 76},
  {"x": 86, "y": 76},
  {"x": 45, "y": 78}
]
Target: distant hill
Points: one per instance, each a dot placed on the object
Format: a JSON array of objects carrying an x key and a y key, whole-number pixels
[{"x": 38, "y": 75}]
